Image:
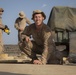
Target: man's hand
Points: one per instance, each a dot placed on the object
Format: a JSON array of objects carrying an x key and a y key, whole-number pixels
[
  {"x": 2, "y": 26},
  {"x": 21, "y": 29},
  {"x": 37, "y": 62},
  {"x": 25, "y": 37}
]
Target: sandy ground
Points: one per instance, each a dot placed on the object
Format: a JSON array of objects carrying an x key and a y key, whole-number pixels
[{"x": 31, "y": 69}]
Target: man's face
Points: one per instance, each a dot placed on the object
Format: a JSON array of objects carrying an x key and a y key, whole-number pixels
[{"x": 38, "y": 19}]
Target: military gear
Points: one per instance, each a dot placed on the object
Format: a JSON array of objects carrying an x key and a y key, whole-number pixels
[
  {"x": 7, "y": 30},
  {"x": 38, "y": 12},
  {"x": 20, "y": 23},
  {"x": 42, "y": 44},
  {"x": 62, "y": 18},
  {"x": 1, "y": 40},
  {"x": 21, "y": 14}
]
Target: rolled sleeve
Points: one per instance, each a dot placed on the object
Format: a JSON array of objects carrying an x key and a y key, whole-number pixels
[
  {"x": 16, "y": 24},
  {"x": 46, "y": 44}
]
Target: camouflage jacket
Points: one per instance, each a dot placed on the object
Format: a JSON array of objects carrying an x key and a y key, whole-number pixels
[
  {"x": 42, "y": 37},
  {"x": 21, "y": 23},
  {"x": 1, "y": 38}
]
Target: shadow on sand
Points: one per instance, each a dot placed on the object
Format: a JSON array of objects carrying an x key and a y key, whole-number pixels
[{"x": 8, "y": 73}]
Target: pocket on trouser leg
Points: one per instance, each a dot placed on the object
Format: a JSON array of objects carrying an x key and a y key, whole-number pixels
[{"x": 29, "y": 44}]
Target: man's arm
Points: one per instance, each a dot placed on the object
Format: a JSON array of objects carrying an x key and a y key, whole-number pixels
[
  {"x": 45, "y": 53},
  {"x": 2, "y": 26},
  {"x": 47, "y": 37},
  {"x": 16, "y": 24}
]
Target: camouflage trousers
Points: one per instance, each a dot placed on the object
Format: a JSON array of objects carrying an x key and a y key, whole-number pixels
[
  {"x": 31, "y": 49},
  {"x": 1, "y": 43}
]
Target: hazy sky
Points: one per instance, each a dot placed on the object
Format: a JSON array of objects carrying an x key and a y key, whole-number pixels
[{"x": 13, "y": 7}]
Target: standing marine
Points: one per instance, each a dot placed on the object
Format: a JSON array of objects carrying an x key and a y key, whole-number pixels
[
  {"x": 1, "y": 31},
  {"x": 20, "y": 23}
]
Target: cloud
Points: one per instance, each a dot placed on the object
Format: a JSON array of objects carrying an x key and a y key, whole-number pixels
[{"x": 44, "y": 5}]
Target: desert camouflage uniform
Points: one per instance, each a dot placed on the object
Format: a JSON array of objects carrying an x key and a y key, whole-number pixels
[
  {"x": 1, "y": 40},
  {"x": 21, "y": 23},
  {"x": 42, "y": 43}
]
